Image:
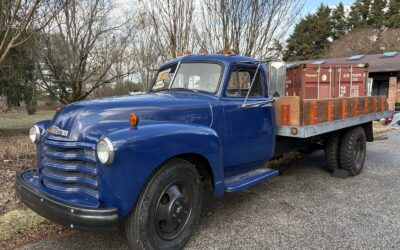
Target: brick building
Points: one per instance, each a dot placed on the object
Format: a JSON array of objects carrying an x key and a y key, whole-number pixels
[{"x": 384, "y": 73}]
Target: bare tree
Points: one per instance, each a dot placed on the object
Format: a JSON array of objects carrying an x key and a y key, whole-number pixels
[
  {"x": 390, "y": 40},
  {"x": 251, "y": 28},
  {"x": 365, "y": 41},
  {"x": 172, "y": 22},
  {"x": 80, "y": 47},
  {"x": 18, "y": 22},
  {"x": 147, "y": 54}
]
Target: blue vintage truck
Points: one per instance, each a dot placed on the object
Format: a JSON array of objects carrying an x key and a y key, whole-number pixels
[{"x": 142, "y": 161}]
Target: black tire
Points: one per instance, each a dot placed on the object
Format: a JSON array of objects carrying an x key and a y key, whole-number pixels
[
  {"x": 168, "y": 209},
  {"x": 353, "y": 150},
  {"x": 332, "y": 146}
]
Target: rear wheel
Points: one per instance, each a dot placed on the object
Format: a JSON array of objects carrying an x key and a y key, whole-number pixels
[
  {"x": 332, "y": 146},
  {"x": 353, "y": 150},
  {"x": 168, "y": 209}
]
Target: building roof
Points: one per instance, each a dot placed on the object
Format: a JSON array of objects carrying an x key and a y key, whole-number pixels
[{"x": 386, "y": 62}]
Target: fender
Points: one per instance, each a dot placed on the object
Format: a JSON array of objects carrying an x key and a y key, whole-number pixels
[{"x": 139, "y": 151}]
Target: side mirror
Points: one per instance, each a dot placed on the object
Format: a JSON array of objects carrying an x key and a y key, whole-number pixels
[{"x": 276, "y": 78}]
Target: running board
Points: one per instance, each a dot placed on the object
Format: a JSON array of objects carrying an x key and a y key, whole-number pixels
[{"x": 243, "y": 181}]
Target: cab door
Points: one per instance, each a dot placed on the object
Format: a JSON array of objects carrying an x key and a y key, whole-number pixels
[{"x": 249, "y": 132}]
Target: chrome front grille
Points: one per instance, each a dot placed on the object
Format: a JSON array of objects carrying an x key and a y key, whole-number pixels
[{"x": 70, "y": 167}]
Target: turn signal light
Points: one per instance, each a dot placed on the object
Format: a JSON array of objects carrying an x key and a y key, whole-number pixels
[{"x": 133, "y": 119}]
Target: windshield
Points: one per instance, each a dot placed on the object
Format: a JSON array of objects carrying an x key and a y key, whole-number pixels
[{"x": 191, "y": 76}]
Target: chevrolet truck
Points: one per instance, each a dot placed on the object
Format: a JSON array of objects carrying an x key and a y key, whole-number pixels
[{"x": 142, "y": 161}]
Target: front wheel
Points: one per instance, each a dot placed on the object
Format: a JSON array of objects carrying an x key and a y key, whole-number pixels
[{"x": 168, "y": 209}]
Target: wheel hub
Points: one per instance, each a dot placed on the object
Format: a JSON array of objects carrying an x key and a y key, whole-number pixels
[{"x": 173, "y": 211}]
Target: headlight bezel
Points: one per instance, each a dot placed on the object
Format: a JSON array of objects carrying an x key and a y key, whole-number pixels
[
  {"x": 110, "y": 150},
  {"x": 36, "y": 132}
]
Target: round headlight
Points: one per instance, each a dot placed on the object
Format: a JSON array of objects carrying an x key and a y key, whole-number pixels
[
  {"x": 34, "y": 134},
  {"x": 105, "y": 151}
]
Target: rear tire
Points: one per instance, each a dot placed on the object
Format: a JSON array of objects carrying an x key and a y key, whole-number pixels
[
  {"x": 353, "y": 150},
  {"x": 168, "y": 209},
  {"x": 332, "y": 146}
]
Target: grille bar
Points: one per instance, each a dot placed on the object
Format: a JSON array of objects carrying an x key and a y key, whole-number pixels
[
  {"x": 70, "y": 188},
  {"x": 70, "y": 177},
  {"x": 69, "y": 156},
  {"x": 78, "y": 166},
  {"x": 65, "y": 144},
  {"x": 70, "y": 167}
]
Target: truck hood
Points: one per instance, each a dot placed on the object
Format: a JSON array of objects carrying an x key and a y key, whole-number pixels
[{"x": 89, "y": 120}]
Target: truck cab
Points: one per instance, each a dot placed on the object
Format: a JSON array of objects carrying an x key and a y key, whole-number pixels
[{"x": 142, "y": 160}]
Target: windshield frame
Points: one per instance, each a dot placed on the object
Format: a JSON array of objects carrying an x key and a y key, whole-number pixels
[{"x": 178, "y": 64}]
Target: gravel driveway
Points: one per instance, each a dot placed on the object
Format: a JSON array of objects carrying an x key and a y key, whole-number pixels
[{"x": 303, "y": 208}]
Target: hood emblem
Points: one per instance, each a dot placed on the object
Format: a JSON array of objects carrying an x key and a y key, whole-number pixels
[{"x": 57, "y": 131}]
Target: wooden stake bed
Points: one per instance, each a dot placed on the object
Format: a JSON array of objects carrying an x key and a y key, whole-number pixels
[{"x": 302, "y": 118}]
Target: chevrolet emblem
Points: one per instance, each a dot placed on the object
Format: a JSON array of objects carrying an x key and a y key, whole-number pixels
[{"x": 57, "y": 131}]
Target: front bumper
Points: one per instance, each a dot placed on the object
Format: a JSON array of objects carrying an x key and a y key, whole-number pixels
[{"x": 76, "y": 217}]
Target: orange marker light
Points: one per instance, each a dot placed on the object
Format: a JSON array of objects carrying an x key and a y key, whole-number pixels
[
  {"x": 58, "y": 109},
  {"x": 202, "y": 51},
  {"x": 229, "y": 52},
  {"x": 133, "y": 119}
]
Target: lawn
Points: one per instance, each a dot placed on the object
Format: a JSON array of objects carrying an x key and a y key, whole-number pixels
[{"x": 21, "y": 120}]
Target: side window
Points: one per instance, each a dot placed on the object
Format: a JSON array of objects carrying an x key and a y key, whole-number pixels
[{"x": 240, "y": 81}]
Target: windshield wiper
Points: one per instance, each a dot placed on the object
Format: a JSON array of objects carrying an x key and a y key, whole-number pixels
[
  {"x": 157, "y": 90},
  {"x": 192, "y": 90}
]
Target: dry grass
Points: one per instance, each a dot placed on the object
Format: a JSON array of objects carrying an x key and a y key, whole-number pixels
[
  {"x": 17, "y": 225},
  {"x": 17, "y": 153},
  {"x": 22, "y": 226},
  {"x": 380, "y": 128},
  {"x": 21, "y": 120}
]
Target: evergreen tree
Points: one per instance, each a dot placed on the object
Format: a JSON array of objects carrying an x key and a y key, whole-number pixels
[
  {"x": 377, "y": 14},
  {"x": 17, "y": 81},
  {"x": 339, "y": 22},
  {"x": 392, "y": 19},
  {"x": 311, "y": 36},
  {"x": 359, "y": 14}
]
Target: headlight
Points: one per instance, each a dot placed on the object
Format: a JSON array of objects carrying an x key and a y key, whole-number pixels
[
  {"x": 105, "y": 151},
  {"x": 34, "y": 134}
]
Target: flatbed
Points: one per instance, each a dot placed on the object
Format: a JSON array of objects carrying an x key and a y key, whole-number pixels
[{"x": 300, "y": 118}]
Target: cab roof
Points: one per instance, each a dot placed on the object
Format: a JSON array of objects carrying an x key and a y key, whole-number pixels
[{"x": 213, "y": 57}]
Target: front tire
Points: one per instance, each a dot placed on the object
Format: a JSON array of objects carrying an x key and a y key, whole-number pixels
[
  {"x": 353, "y": 150},
  {"x": 168, "y": 209}
]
